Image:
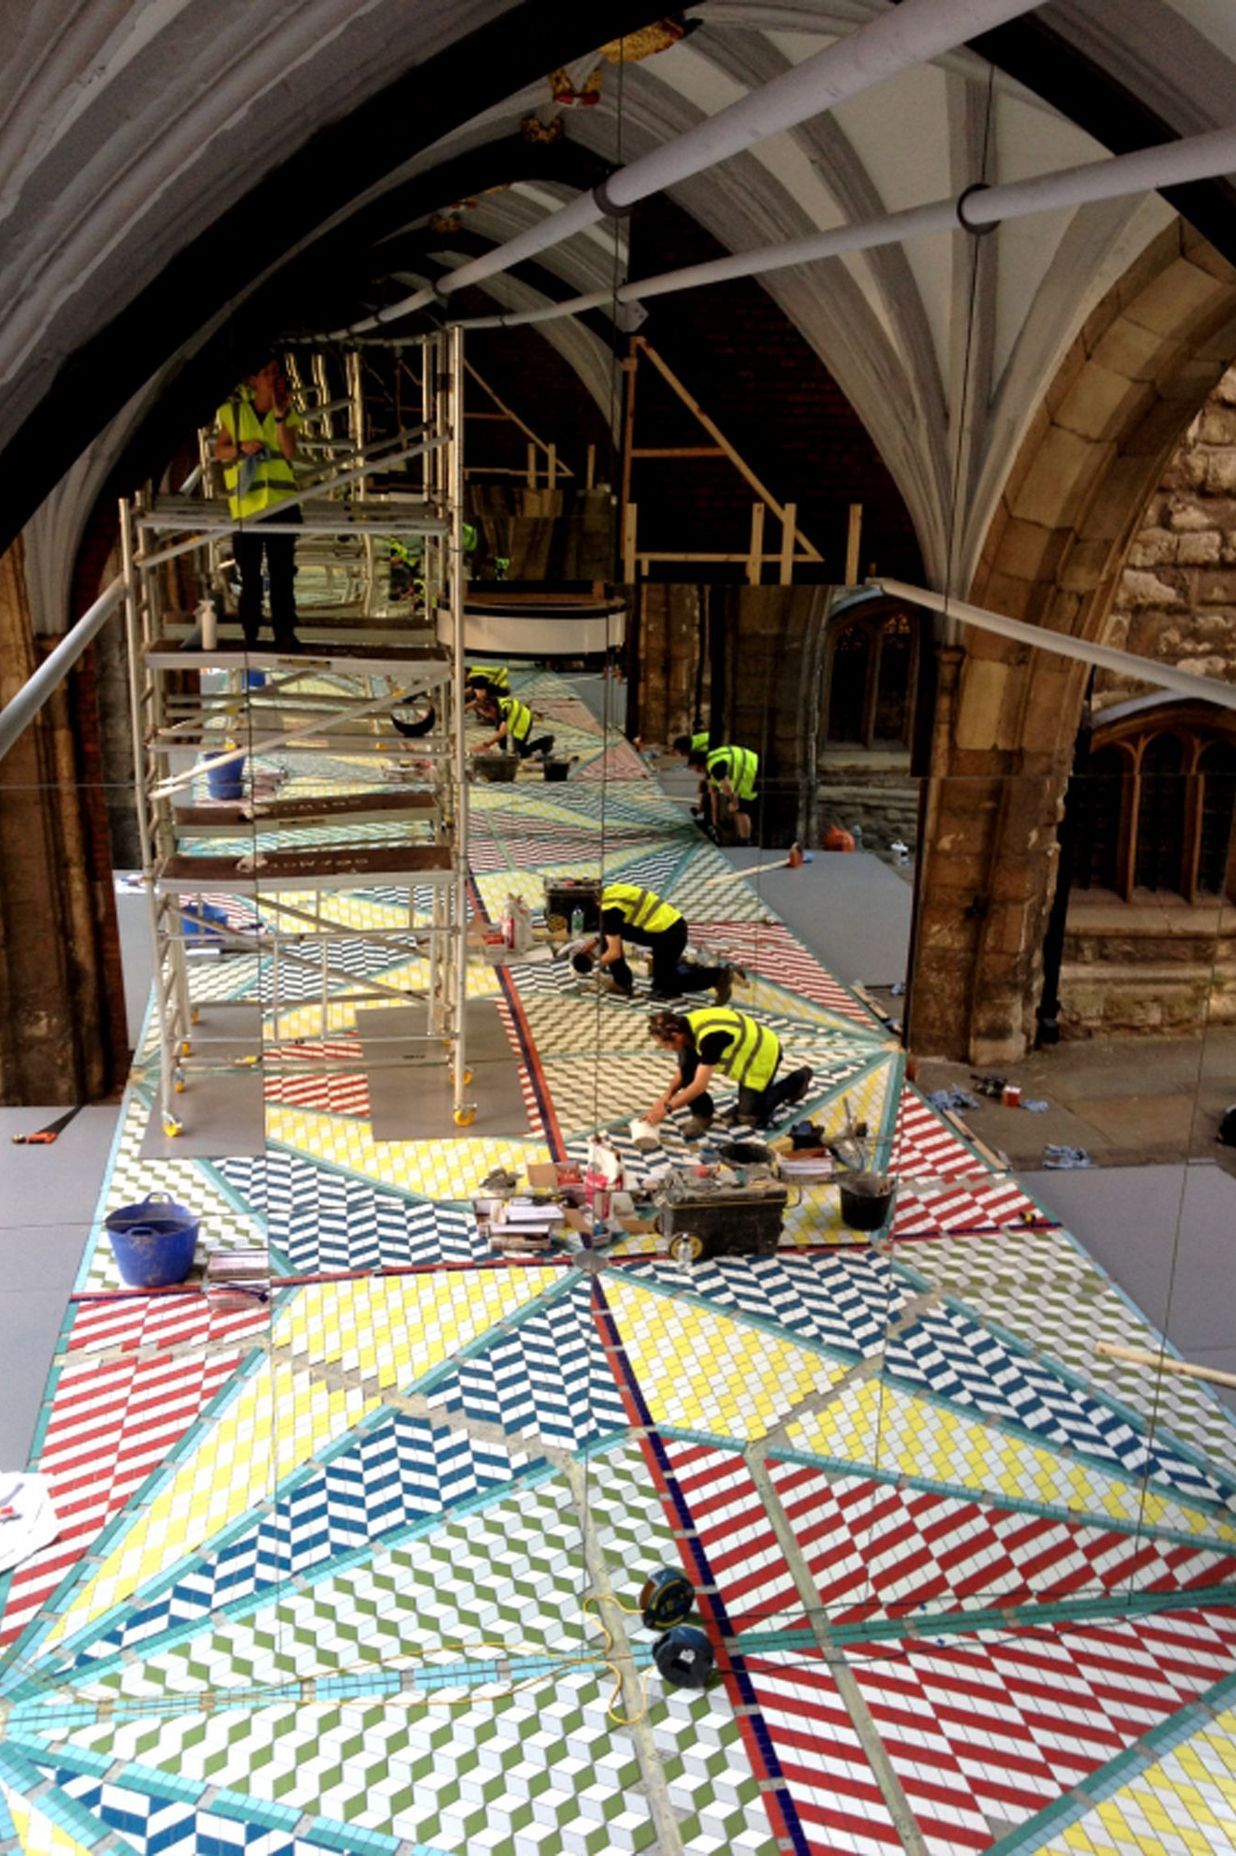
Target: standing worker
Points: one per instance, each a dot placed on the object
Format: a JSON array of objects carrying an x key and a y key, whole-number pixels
[
  {"x": 514, "y": 719},
  {"x": 731, "y": 774},
  {"x": 629, "y": 913},
  {"x": 256, "y": 443},
  {"x": 720, "y": 1038}
]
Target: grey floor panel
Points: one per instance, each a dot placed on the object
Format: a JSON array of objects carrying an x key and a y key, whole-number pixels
[
  {"x": 1167, "y": 1234},
  {"x": 412, "y": 1099},
  {"x": 57, "y": 1184}
]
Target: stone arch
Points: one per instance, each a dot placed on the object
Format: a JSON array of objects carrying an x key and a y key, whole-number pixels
[{"x": 1138, "y": 371}]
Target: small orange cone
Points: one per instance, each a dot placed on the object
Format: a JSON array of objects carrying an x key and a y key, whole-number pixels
[{"x": 795, "y": 858}]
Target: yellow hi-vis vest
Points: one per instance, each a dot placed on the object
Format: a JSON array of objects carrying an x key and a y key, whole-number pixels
[
  {"x": 640, "y": 908},
  {"x": 256, "y": 481},
  {"x": 517, "y": 716},
  {"x": 497, "y": 676},
  {"x": 737, "y": 765},
  {"x": 754, "y": 1051}
]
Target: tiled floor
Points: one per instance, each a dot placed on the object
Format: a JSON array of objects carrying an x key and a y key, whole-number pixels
[{"x": 325, "y": 1574}]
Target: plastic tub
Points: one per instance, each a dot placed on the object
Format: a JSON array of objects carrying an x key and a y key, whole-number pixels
[
  {"x": 866, "y": 1200},
  {"x": 227, "y": 782},
  {"x": 153, "y": 1242},
  {"x": 557, "y": 769}
]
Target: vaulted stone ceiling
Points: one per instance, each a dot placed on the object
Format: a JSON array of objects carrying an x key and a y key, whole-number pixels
[{"x": 168, "y": 170}]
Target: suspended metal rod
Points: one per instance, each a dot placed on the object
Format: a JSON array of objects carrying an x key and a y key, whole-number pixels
[
  {"x": 1106, "y": 656},
  {"x": 899, "y": 40},
  {"x": 1169, "y": 164},
  {"x": 18, "y": 713}
]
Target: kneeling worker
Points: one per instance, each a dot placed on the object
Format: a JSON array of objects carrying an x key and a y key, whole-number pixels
[
  {"x": 485, "y": 680},
  {"x": 731, "y": 774},
  {"x": 719, "y": 1038},
  {"x": 629, "y": 913},
  {"x": 514, "y": 719}
]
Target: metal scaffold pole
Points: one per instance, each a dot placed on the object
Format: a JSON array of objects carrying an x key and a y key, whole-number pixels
[{"x": 455, "y": 456}]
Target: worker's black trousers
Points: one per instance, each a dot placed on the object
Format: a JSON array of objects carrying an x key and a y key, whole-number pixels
[
  {"x": 247, "y": 547},
  {"x": 670, "y": 977},
  {"x": 755, "y": 1106},
  {"x": 541, "y": 745}
]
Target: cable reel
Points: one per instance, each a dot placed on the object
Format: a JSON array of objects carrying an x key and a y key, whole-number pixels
[{"x": 666, "y": 1598}]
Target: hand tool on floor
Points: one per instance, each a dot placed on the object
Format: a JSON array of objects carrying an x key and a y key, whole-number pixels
[{"x": 43, "y": 1137}]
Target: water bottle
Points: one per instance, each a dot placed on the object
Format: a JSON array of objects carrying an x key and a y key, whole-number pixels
[
  {"x": 577, "y": 922},
  {"x": 856, "y": 832}
]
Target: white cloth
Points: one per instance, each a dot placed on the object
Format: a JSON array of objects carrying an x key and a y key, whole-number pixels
[{"x": 28, "y": 1521}]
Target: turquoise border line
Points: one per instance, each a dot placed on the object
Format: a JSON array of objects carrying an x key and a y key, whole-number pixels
[
  {"x": 1068, "y": 1374},
  {"x": 278, "y": 1491},
  {"x": 919, "y": 1628},
  {"x": 839, "y": 1467},
  {"x": 237, "y": 1807},
  {"x": 1066, "y": 1452},
  {"x": 1149, "y": 1331},
  {"x": 382, "y": 1682},
  {"x": 1107, "y": 1781},
  {"x": 531, "y": 1476},
  {"x": 76, "y": 1820}
]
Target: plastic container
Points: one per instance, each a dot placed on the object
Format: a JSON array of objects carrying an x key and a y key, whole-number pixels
[
  {"x": 226, "y": 782},
  {"x": 557, "y": 769},
  {"x": 200, "y": 920},
  {"x": 153, "y": 1242},
  {"x": 866, "y": 1200},
  {"x": 496, "y": 766}
]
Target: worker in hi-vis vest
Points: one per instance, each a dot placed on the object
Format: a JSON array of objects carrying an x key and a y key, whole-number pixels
[
  {"x": 629, "y": 913},
  {"x": 482, "y": 680},
  {"x": 514, "y": 730},
  {"x": 719, "y": 1038},
  {"x": 730, "y": 773},
  {"x": 255, "y": 441}
]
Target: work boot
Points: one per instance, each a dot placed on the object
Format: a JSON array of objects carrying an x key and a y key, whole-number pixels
[
  {"x": 696, "y": 1128},
  {"x": 725, "y": 985},
  {"x": 799, "y": 1084}
]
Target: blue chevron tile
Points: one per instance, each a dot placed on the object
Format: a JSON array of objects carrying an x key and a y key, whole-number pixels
[
  {"x": 324, "y": 1220},
  {"x": 402, "y": 1471}
]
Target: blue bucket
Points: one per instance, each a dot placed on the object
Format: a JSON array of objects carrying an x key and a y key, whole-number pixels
[
  {"x": 227, "y": 782},
  {"x": 153, "y": 1242}
]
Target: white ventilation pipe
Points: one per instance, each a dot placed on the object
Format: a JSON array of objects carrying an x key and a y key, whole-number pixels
[
  {"x": 1106, "y": 656},
  {"x": 21, "y": 709},
  {"x": 1169, "y": 164},
  {"x": 898, "y": 40}
]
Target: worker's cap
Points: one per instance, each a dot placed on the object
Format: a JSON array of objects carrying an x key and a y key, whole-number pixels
[{"x": 582, "y": 963}]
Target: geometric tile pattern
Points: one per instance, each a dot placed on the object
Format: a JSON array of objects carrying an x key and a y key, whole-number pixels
[{"x": 323, "y": 1566}]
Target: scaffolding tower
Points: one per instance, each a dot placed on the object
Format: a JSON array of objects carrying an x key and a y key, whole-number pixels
[{"x": 198, "y": 689}]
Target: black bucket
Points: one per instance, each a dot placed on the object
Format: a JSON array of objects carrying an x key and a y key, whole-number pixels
[
  {"x": 557, "y": 769},
  {"x": 866, "y": 1200}
]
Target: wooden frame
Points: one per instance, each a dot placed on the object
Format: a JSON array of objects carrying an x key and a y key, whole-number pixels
[
  {"x": 538, "y": 448},
  {"x": 794, "y": 549}
]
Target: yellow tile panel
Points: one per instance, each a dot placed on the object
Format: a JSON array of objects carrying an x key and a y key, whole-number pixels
[
  {"x": 702, "y": 1372},
  {"x": 397, "y": 1329},
  {"x": 278, "y": 1420},
  {"x": 874, "y": 1423},
  {"x": 1182, "y": 1805},
  {"x": 444, "y": 1169}
]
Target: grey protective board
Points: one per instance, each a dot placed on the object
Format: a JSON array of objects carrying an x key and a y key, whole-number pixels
[
  {"x": 56, "y": 1185},
  {"x": 411, "y": 1100},
  {"x": 1167, "y": 1235},
  {"x": 223, "y": 1112}
]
